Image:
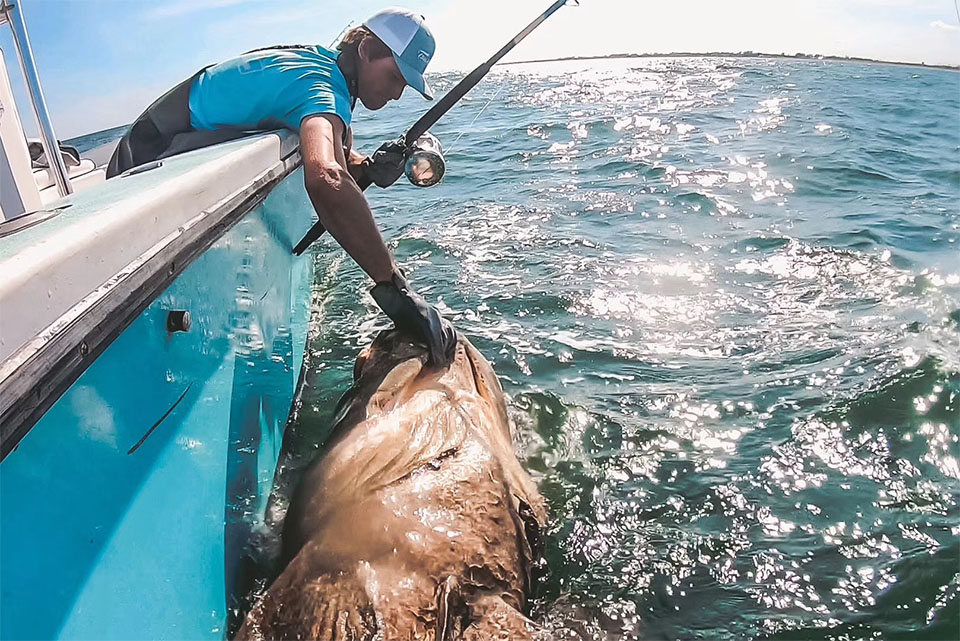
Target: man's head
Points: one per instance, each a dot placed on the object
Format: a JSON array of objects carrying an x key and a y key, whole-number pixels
[{"x": 392, "y": 49}]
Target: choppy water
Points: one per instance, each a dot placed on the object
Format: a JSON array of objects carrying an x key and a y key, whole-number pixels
[{"x": 724, "y": 298}]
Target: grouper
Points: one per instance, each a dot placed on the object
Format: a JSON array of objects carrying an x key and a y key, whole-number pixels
[{"x": 416, "y": 520}]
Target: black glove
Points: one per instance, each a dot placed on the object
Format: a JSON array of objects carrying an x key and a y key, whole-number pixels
[
  {"x": 411, "y": 313},
  {"x": 386, "y": 164}
]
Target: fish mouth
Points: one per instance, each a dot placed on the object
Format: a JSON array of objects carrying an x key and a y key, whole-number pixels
[
  {"x": 390, "y": 349},
  {"x": 392, "y": 369}
]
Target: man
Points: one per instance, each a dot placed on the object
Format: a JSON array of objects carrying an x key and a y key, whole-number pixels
[{"x": 312, "y": 90}]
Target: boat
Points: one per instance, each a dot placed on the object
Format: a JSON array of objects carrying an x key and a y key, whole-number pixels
[{"x": 152, "y": 340}]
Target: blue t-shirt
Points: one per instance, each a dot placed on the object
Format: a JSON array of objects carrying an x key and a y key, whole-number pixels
[{"x": 270, "y": 88}]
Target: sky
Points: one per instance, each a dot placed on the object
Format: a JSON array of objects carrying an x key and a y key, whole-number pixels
[{"x": 102, "y": 61}]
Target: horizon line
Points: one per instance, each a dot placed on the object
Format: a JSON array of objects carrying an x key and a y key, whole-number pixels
[{"x": 737, "y": 54}]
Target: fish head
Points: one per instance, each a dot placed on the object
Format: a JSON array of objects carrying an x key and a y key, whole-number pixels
[{"x": 392, "y": 369}]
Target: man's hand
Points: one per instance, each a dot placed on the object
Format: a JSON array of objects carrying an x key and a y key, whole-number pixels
[
  {"x": 386, "y": 164},
  {"x": 411, "y": 313}
]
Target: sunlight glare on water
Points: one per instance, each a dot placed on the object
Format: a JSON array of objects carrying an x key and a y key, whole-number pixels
[{"x": 723, "y": 297}]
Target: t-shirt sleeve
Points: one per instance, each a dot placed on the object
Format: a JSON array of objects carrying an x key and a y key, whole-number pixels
[{"x": 319, "y": 98}]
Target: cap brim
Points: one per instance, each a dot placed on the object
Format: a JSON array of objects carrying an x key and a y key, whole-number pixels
[{"x": 414, "y": 78}]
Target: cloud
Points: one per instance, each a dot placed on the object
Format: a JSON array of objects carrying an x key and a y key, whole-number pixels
[
  {"x": 289, "y": 19},
  {"x": 940, "y": 24},
  {"x": 237, "y": 32},
  {"x": 190, "y": 6}
]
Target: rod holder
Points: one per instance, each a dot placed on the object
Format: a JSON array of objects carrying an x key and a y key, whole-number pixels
[{"x": 178, "y": 321}]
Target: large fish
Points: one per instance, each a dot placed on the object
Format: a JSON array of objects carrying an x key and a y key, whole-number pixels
[{"x": 416, "y": 521}]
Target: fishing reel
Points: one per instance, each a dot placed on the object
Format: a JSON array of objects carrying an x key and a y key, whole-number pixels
[
  {"x": 422, "y": 160},
  {"x": 425, "y": 165}
]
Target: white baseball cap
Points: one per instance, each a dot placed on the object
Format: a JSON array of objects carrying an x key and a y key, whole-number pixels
[{"x": 410, "y": 40}]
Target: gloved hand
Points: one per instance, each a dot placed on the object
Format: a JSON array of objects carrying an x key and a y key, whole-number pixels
[
  {"x": 386, "y": 164},
  {"x": 411, "y": 313}
]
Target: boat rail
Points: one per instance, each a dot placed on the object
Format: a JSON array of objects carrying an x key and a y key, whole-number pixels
[
  {"x": 11, "y": 13},
  {"x": 157, "y": 223}
]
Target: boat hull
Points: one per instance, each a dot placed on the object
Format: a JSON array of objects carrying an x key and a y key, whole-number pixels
[{"x": 125, "y": 510}]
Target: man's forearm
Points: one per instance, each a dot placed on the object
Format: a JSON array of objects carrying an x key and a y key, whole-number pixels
[{"x": 344, "y": 212}]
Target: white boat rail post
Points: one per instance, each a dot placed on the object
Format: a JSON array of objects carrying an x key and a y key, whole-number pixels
[
  {"x": 10, "y": 12},
  {"x": 19, "y": 191}
]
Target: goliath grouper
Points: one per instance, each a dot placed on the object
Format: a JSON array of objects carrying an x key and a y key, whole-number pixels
[{"x": 416, "y": 521}]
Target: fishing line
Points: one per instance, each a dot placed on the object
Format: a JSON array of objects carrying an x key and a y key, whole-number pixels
[
  {"x": 572, "y": 3},
  {"x": 477, "y": 117},
  {"x": 336, "y": 41},
  {"x": 424, "y": 149}
]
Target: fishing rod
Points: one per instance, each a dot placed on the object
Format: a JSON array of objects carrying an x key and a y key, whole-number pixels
[{"x": 424, "y": 164}]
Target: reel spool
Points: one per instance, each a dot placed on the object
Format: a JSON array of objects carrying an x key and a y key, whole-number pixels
[{"x": 425, "y": 165}]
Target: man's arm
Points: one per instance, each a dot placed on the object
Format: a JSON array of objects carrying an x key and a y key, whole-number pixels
[
  {"x": 340, "y": 204},
  {"x": 344, "y": 212}
]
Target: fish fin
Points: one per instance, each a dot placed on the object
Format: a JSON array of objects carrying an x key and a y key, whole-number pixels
[
  {"x": 492, "y": 619},
  {"x": 303, "y": 604}
]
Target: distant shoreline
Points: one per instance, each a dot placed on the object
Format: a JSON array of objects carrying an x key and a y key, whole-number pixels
[{"x": 742, "y": 54}]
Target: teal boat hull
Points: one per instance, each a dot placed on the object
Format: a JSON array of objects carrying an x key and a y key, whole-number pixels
[{"x": 125, "y": 511}]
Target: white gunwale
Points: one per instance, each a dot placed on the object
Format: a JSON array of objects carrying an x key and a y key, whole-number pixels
[{"x": 74, "y": 282}]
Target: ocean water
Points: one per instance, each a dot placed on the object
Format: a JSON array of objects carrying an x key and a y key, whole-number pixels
[
  {"x": 84, "y": 144},
  {"x": 723, "y": 296}
]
